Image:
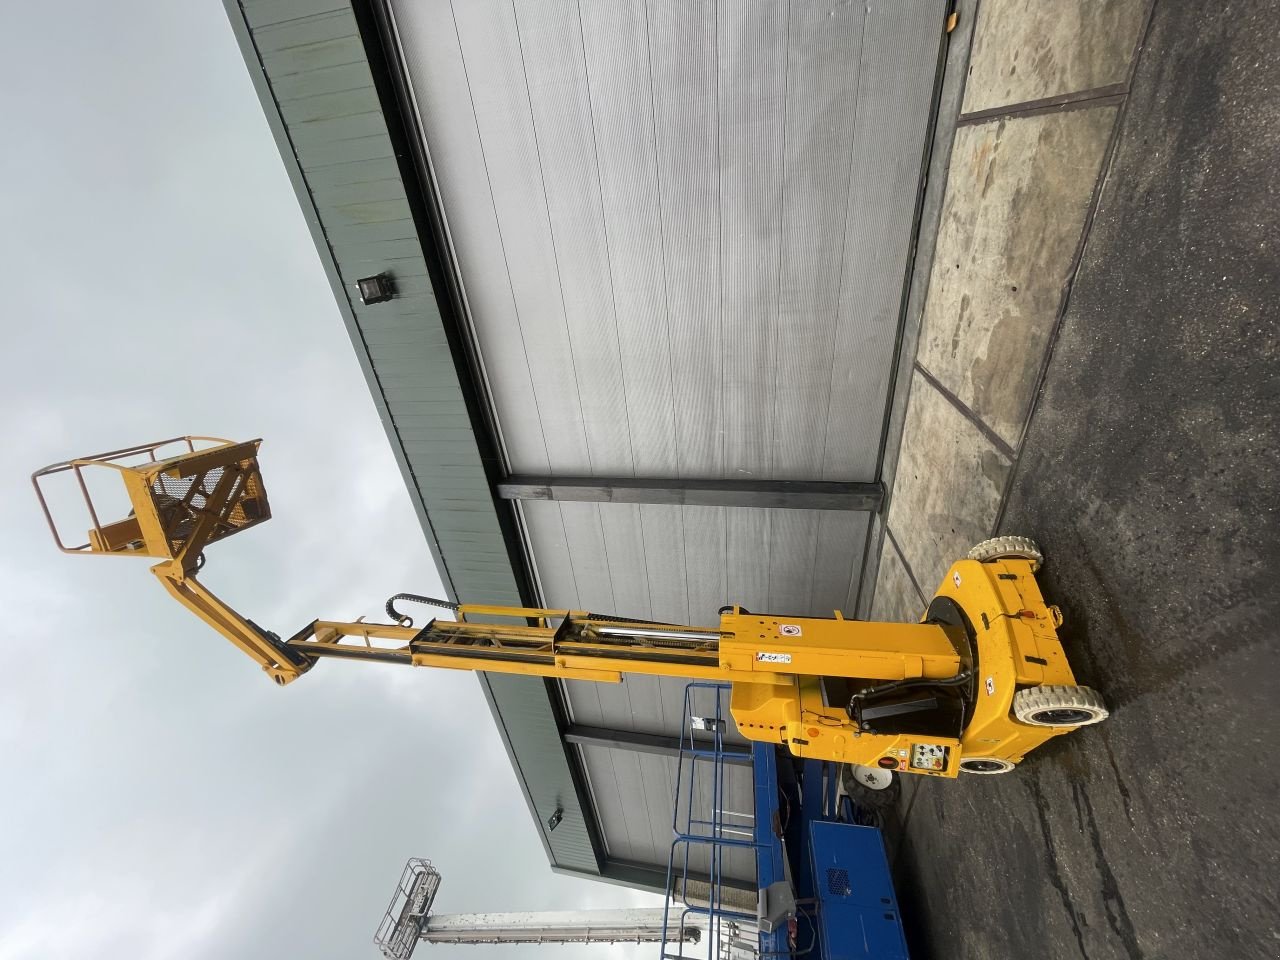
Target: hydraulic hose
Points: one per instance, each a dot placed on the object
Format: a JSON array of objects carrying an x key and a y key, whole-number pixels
[
  {"x": 858, "y": 700},
  {"x": 895, "y": 685},
  {"x": 407, "y": 621}
]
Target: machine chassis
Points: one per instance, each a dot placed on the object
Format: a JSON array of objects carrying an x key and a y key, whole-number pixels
[{"x": 1004, "y": 637}]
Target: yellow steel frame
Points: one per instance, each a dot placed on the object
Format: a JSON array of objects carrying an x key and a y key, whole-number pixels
[
  {"x": 152, "y": 528},
  {"x": 775, "y": 664}
]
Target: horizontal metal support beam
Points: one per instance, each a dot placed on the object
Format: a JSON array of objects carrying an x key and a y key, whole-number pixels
[
  {"x": 736, "y": 892},
  {"x": 785, "y": 494},
  {"x": 645, "y": 742},
  {"x": 653, "y": 877},
  {"x": 623, "y": 925}
]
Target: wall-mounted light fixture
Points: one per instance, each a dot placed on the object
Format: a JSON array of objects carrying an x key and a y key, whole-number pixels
[
  {"x": 376, "y": 289},
  {"x": 553, "y": 821}
]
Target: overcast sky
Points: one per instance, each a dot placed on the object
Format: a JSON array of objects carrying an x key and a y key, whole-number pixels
[{"x": 161, "y": 798}]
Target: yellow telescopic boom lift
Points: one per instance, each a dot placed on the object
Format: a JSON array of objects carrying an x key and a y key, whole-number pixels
[{"x": 977, "y": 684}]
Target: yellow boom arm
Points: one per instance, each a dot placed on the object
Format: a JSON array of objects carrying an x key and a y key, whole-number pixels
[{"x": 828, "y": 688}]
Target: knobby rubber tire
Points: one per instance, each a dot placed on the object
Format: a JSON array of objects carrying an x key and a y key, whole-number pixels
[
  {"x": 867, "y": 798},
  {"x": 1083, "y": 701},
  {"x": 1004, "y": 548}
]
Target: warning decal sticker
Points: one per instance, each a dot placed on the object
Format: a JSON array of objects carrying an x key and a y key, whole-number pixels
[{"x": 765, "y": 657}]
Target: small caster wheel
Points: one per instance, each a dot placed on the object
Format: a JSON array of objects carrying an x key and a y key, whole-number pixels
[
  {"x": 1008, "y": 548},
  {"x": 1056, "y": 706},
  {"x": 985, "y": 765}
]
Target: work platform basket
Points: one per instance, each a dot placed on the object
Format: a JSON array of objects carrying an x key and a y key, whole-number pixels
[{"x": 184, "y": 493}]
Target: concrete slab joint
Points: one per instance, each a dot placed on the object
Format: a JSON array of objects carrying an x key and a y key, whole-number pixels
[
  {"x": 1042, "y": 95},
  {"x": 897, "y": 597},
  {"x": 950, "y": 481},
  {"x": 1017, "y": 199},
  {"x": 1027, "y": 50}
]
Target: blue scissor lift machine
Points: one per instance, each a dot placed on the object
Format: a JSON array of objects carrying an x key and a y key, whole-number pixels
[{"x": 823, "y": 887}]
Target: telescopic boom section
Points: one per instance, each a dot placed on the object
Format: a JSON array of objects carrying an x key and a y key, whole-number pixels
[
  {"x": 575, "y": 645},
  {"x": 572, "y": 645}
]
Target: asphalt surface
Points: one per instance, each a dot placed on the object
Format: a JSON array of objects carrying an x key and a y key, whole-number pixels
[{"x": 1149, "y": 477}]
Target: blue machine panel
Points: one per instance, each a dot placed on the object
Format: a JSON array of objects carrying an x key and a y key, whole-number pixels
[{"x": 858, "y": 914}]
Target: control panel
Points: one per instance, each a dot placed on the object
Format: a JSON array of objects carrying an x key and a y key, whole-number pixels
[{"x": 929, "y": 756}]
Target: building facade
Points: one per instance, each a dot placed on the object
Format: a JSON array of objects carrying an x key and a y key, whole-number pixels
[{"x": 650, "y": 261}]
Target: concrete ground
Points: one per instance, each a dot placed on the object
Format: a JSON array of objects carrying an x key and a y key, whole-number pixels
[{"x": 1148, "y": 473}]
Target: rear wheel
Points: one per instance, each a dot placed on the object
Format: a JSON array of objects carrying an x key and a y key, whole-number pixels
[
  {"x": 871, "y": 787},
  {"x": 1008, "y": 548},
  {"x": 985, "y": 765},
  {"x": 1058, "y": 706}
]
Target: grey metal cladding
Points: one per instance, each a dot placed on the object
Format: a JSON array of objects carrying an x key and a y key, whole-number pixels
[
  {"x": 551, "y": 46},
  {"x": 545, "y": 528},
  {"x": 623, "y": 534},
  {"x": 335, "y": 79},
  {"x": 685, "y": 83},
  {"x": 327, "y": 106},
  {"x": 434, "y": 60},
  {"x": 260, "y": 14},
  {"x": 593, "y": 575},
  {"x": 645, "y": 704},
  {"x": 615, "y": 45},
  {"x": 837, "y": 561},
  {"x": 679, "y": 564},
  {"x": 665, "y": 563},
  {"x": 822, "y": 43},
  {"x": 705, "y": 534},
  {"x": 793, "y": 540},
  {"x": 503, "y": 117},
  {"x": 538, "y": 754},
  {"x": 753, "y": 46},
  {"x": 682, "y": 226},
  {"x": 899, "y": 61},
  {"x": 337, "y": 24},
  {"x": 315, "y": 55},
  {"x": 638, "y": 825},
  {"x": 307, "y": 63}
]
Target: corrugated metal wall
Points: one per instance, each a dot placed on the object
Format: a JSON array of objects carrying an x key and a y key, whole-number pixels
[
  {"x": 682, "y": 226},
  {"x": 636, "y": 809},
  {"x": 679, "y": 564},
  {"x": 683, "y": 230}
]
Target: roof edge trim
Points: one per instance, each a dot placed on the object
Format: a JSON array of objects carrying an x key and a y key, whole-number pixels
[
  {"x": 284, "y": 144},
  {"x": 369, "y": 16}
]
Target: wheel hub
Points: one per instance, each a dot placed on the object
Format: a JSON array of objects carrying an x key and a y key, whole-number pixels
[
  {"x": 873, "y": 778},
  {"x": 1062, "y": 718},
  {"x": 983, "y": 766}
]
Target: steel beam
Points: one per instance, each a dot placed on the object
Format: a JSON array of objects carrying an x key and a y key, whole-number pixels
[
  {"x": 644, "y": 742},
  {"x": 785, "y": 494},
  {"x": 626, "y": 925},
  {"x": 653, "y": 877}
]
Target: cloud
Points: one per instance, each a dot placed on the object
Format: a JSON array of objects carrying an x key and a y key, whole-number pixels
[{"x": 162, "y": 797}]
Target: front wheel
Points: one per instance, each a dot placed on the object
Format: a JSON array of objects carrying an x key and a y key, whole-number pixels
[
  {"x": 1058, "y": 706},
  {"x": 1008, "y": 548}
]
